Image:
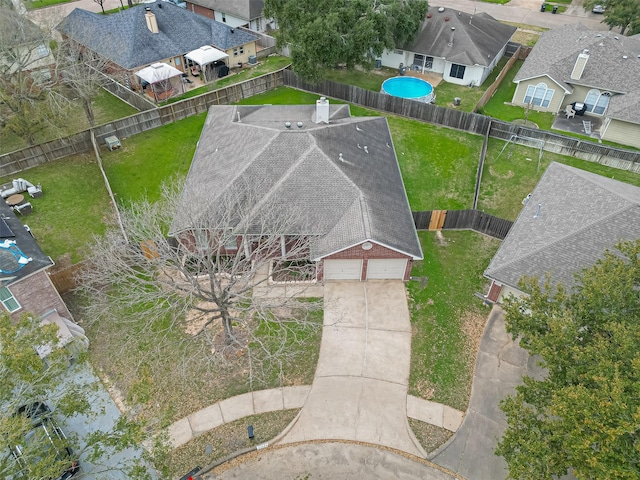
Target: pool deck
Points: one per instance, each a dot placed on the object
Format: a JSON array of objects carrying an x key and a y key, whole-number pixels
[{"x": 433, "y": 78}]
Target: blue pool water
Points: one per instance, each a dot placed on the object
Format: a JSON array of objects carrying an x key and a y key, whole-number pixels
[{"x": 408, "y": 87}]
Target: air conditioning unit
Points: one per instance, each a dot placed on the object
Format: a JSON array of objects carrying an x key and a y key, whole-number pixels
[{"x": 253, "y": 60}]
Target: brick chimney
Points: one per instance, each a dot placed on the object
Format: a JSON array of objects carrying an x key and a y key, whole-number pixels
[
  {"x": 581, "y": 62},
  {"x": 152, "y": 23}
]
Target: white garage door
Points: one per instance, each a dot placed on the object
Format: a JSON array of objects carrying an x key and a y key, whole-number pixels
[
  {"x": 384, "y": 268},
  {"x": 342, "y": 269}
]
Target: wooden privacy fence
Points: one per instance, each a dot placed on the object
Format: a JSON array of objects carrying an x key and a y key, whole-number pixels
[
  {"x": 448, "y": 117},
  {"x": 66, "y": 279},
  {"x": 14, "y": 162},
  {"x": 472, "y": 123},
  {"x": 462, "y": 220}
]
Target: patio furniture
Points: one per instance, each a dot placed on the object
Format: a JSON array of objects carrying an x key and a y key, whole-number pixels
[
  {"x": 569, "y": 112},
  {"x": 23, "y": 208},
  {"x": 15, "y": 199},
  {"x": 587, "y": 126}
]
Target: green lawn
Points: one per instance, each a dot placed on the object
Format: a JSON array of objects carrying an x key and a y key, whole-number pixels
[
  {"x": 446, "y": 92},
  {"x": 107, "y": 108},
  {"x": 32, "y": 5},
  {"x": 371, "y": 80},
  {"x": 496, "y": 106},
  {"x": 74, "y": 205},
  {"x": 507, "y": 180},
  {"x": 447, "y": 319},
  {"x": 149, "y": 158}
]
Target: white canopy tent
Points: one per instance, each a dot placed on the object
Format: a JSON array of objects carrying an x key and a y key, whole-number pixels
[
  {"x": 206, "y": 55},
  {"x": 159, "y": 76}
]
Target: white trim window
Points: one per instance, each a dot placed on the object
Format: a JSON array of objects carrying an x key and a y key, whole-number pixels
[
  {"x": 597, "y": 101},
  {"x": 539, "y": 95},
  {"x": 8, "y": 300},
  {"x": 42, "y": 51}
]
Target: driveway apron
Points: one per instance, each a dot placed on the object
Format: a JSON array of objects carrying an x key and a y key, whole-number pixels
[
  {"x": 499, "y": 369},
  {"x": 359, "y": 391}
]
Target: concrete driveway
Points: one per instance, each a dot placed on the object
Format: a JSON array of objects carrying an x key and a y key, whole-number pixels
[
  {"x": 103, "y": 416},
  {"x": 499, "y": 369},
  {"x": 359, "y": 391}
]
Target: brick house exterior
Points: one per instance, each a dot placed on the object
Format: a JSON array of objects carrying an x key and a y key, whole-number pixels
[
  {"x": 25, "y": 285},
  {"x": 338, "y": 173}
]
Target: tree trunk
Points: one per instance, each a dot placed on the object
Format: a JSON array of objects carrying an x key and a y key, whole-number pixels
[
  {"x": 228, "y": 327},
  {"x": 88, "y": 110},
  {"x": 130, "y": 3}
]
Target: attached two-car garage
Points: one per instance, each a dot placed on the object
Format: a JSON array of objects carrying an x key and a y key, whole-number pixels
[{"x": 377, "y": 269}]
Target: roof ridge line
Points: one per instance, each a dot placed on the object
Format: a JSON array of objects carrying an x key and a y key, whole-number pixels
[{"x": 564, "y": 237}]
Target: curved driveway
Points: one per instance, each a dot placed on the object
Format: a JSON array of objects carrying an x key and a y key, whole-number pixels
[{"x": 359, "y": 391}]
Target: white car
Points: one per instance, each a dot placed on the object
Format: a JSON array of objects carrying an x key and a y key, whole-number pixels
[{"x": 598, "y": 9}]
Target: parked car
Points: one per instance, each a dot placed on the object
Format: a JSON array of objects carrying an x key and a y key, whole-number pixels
[
  {"x": 598, "y": 9},
  {"x": 44, "y": 442}
]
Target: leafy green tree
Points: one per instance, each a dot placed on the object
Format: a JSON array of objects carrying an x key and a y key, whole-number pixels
[
  {"x": 323, "y": 34},
  {"x": 28, "y": 378},
  {"x": 584, "y": 416},
  {"x": 619, "y": 13}
]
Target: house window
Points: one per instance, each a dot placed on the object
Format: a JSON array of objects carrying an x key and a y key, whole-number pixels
[
  {"x": 457, "y": 71},
  {"x": 177, "y": 61},
  {"x": 538, "y": 95},
  {"x": 259, "y": 24},
  {"x": 235, "y": 52},
  {"x": 596, "y": 101},
  {"x": 42, "y": 51},
  {"x": 224, "y": 18},
  {"x": 8, "y": 300},
  {"x": 242, "y": 50}
]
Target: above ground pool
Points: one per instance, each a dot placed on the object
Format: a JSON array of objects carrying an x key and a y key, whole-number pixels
[{"x": 409, "y": 87}]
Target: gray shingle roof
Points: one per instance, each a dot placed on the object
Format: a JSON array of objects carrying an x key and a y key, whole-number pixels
[
  {"x": 125, "y": 39},
  {"x": 244, "y": 9},
  {"x": 581, "y": 215},
  {"x": 477, "y": 39},
  {"x": 342, "y": 202},
  {"x": 606, "y": 69}
]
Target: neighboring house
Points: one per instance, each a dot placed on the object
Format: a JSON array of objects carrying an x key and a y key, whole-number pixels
[
  {"x": 24, "y": 283},
  {"x": 235, "y": 13},
  {"x": 599, "y": 69},
  {"x": 155, "y": 32},
  {"x": 462, "y": 47},
  {"x": 24, "y": 47},
  {"x": 340, "y": 172},
  {"x": 571, "y": 218}
]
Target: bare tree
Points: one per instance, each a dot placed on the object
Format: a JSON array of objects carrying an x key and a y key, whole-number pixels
[
  {"x": 212, "y": 276},
  {"x": 29, "y": 101}
]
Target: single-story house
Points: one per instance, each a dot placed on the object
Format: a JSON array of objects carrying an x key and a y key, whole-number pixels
[
  {"x": 462, "y": 47},
  {"x": 235, "y": 13},
  {"x": 26, "y": 47},
  {"x": 157, "y": 32},
  {"x": 25, "y": 285},
  {"x": 570, "y": 219},
  {"x": 340, "y": 172},
  {"x": 598, "y": 69}
]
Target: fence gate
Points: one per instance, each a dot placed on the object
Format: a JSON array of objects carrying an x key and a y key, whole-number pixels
[{"x": 437, "y": 219}]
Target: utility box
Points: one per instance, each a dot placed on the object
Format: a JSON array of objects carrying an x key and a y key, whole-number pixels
[
  {"x": 543, "y": 8},
  {"x": 555, "y": 9},
  {"x": 112, "y": 143},
  {"x": 253, "y": 60}
]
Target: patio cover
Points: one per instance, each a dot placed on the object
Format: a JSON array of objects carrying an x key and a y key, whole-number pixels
[
  {"x": 158, "y": 72},
  {"x": 205, "y": 55}
]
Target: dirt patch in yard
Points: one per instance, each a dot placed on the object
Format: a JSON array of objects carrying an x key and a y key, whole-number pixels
[{"x": 429, "y": 436}]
